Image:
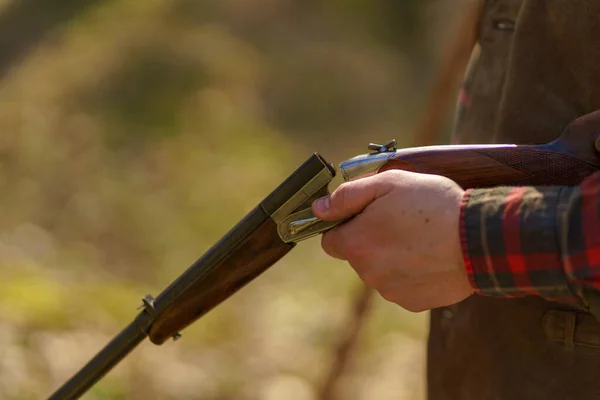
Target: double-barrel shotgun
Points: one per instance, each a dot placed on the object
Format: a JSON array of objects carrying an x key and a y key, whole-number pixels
[{"x": 268, "y": 232}]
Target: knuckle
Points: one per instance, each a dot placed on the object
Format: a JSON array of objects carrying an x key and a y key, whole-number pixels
[
  {"x": 369, "y": 275},
  {"x": 413, "y": 307},
  {"x": 357, "y": 250},
  {"x": 391, "y": 175},
  {"x": 410, "y": 303},
  {"x": 333, "y": 245},
  {"x": 327, "y": 243},
  {"x": 396, "y": 295},
  {"x": 341, "y": 242},
  {"x": 389, "y": 295},
  {"x": 339, "y": 198}
]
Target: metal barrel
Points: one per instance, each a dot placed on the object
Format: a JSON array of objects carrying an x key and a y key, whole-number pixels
[{"x": 105, "y": 360}]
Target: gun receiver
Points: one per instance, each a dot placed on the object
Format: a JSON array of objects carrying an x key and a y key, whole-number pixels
[{"x": 284, "y": 218}]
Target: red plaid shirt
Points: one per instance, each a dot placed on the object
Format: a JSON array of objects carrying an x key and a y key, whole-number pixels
[{"x": 542, "y": 241}]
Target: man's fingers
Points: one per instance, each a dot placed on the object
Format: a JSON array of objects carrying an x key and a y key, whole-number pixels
[
  {"x": 350, "y": 198},
  {"x": 346, "y": 241},
  {"x": 330, "y": 242}
]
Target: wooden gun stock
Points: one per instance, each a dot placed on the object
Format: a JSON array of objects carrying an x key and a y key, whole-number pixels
[
  {"x": 483, "y": 166},
  {"x": 565, "y": 161},
  {"x": 244, "y": 262}
]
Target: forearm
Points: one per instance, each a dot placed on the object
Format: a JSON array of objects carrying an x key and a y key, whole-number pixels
[{"x": 533, "y": 240}]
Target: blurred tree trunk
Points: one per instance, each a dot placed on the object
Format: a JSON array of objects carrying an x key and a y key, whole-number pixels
[
  {"x": 26, "y": 23},
  {"x": 347, "y": 344},
  {"x": 449, "y": 76}
]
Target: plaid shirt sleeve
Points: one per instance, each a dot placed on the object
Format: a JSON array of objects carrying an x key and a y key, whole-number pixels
[{"x": 541, "y": 241}]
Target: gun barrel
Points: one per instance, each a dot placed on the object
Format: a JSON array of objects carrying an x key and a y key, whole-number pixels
[{"x": 117, "y": 349}]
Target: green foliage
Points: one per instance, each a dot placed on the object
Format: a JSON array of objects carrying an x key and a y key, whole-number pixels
[
  {"x": 34, "y": 300},
  {"x": 139, "y": 107}
]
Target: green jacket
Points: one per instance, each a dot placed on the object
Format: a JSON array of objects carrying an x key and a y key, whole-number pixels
[{"x": 535, "y": 69}]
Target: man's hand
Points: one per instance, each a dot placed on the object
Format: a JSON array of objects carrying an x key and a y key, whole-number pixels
[{"x": 404, "y": 238}]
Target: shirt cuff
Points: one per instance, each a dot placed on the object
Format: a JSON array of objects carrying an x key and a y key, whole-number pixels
[
  {"x": 510, "y": 244},
  {"x": 579, "y": 239}
]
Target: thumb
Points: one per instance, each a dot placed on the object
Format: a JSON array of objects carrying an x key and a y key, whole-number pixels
[{"x": 349, "y": 198}]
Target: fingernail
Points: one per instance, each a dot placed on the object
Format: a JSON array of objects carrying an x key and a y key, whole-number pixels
[{"x": 322, "y": 204}]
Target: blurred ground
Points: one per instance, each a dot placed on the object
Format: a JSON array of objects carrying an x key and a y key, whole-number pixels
[{"x": 136, "y": 133}]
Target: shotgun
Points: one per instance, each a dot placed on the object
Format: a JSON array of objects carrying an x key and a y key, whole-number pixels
[{"x": 284, "y": 218}]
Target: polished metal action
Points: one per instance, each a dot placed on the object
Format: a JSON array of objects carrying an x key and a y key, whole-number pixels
[
  {"x": 316, "y": 187},
  {"x": 295, "y": 220},
  {"x": 368, "y": 164},
  {"x": 302, "y": 224}
]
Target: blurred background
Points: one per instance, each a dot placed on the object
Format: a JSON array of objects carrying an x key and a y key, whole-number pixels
[{"x": 135, "y": 133}]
